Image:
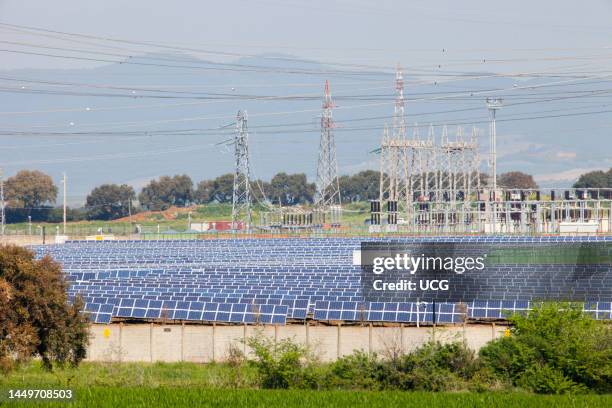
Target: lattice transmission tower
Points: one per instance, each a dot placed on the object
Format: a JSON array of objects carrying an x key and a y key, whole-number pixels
[
  {"x": 327, "y": 186},
  {"x": 394, "y": 187},
  {"x": 241, "y": 197}
]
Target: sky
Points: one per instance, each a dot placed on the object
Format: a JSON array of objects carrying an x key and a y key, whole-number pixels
[
  {"x": 435, "y": 41},
  {"x": 378, "y": 32}
]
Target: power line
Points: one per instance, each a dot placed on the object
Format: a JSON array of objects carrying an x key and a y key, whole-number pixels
[
  {"x": 464, "y": 121},
  {"x": 589, "y": 93}
]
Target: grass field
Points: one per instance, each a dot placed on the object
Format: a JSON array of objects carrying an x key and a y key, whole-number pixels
[
  {"x": 353, "y": 216},
  {"x": 203, "y": 397},
  {"x": 214, "y": 385}
]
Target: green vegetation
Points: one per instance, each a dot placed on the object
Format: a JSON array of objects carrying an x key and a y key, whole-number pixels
[
  {"x": 353, "y": 218},
  {"x": 166, "y": 192},
  {"x": 33, "y": 194},
  {"x": 205, "y": 397},
  {"x": 595, "y": 179},
  {"x": 132, "y": 375},
  {"x": 554, "y": 349},
  {"x": 431, "y": 367},
  {"x": 183, "y": 384},
  {"x": 110, "y": 201},
  {"x": 35, "y": 317},
  {"x": 591, "y": 253},
  {"x": 516, "y": 180},
  {"x": 190, "y": 385}
]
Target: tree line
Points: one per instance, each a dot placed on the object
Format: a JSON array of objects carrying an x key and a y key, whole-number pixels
[{"x": 32, "y": 193}]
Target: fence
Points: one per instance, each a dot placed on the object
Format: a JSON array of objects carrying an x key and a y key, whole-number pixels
[{"x": 208, "y": 343}]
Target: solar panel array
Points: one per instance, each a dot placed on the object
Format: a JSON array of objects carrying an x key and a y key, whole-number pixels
[
  {"x": 398, "y": 312},
  {"x": 251, "y": 281}
]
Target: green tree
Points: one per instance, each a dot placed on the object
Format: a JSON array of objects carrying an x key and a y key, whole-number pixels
[
  {"x": 516, "y": 179},
  {"x": 30, "y": 189},
  {"x": 362, "y": 186},
  {"x": 167, "y": 191},
  {"x": 109, "y": 201},
  {"x": 290, "y": 189},
  {"x": 222, "y": 188},
  {"x": 595, "y": 179},
  {"x": 204, "y": 191},
  {"x": 35, "y": 316}
]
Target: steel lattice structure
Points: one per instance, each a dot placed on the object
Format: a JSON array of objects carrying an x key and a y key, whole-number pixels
[
  {"x": 416, "y": 170},
  {"x": 241, "y": 197},
  {"x": 327, "y": 185}
]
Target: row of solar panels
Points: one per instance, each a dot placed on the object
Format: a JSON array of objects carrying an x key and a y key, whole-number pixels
[
  {"x": 191, "y": 311},
  {"x": 275, "y": 247},
  {"x": 296, "y": 309},
  {"x": 229, "y": 242},
  {"x": 251, "y": 313}
]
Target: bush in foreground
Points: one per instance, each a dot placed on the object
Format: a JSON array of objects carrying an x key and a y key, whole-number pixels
[
  {"x": 35, "y": 316},
  {"x": 432, "y": 367},
  {"x": 554, "y": 349},
  {"x": 284, "y": 364}
]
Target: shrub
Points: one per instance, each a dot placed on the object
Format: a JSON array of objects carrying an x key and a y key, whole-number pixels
[
  {"x": 484, "y": 379},
  {"x": 547, "y": 380},
  {"x": 554, "y": 348},
  {"x": 284, "y": 364},
  {"x": 35, "y": 316},
  {"x": 359, "y": 370},
  {"x": 437, "y": 367}
]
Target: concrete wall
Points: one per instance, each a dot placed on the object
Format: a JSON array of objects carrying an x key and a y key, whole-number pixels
[
  {"x": 201, "y": 343},
  {"x": 24, "y": 240}
]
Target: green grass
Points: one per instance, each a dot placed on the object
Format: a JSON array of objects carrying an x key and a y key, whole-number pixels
[
  {"x": 132, "y": 375},
  {"x": 354, "y": 216},
  {"x": 219, "y": 385},
  {"x": 593, "y": 253},
  {"x": 202, "y": 397}
]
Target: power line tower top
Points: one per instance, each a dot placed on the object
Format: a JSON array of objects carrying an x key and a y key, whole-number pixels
[
  {"x": 328, "y": 187},
  {"x": 241, "y": 196},
  {"x": 399, "y": 116}
]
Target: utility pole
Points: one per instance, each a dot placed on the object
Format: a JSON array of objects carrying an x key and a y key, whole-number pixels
[
  {"x": 241, "y": 195},
  {"x": 64, "y": 182},
  {"x": 493, "y": 105},
  {"x": 130, "y": 210}
]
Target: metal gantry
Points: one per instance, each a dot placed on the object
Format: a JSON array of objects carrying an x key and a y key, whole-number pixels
[{"x": 419, "y": 170}]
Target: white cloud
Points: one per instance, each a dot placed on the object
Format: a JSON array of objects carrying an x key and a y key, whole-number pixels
[
  {"x": 567, "y": 175},
  {"x": 566, "y": 155}
]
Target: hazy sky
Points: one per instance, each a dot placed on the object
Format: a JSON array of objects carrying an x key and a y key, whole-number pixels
[
  {"x": 377, "y": 32},
  {"x": 436, "y": 41}
]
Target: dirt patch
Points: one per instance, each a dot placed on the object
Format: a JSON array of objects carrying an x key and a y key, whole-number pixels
[{"x": 168, "y": 215}]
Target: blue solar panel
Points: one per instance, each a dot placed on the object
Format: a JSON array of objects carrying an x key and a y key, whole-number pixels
[
  {"x": 496, "y": 309},
  {"x": 204, "y": 280}
]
